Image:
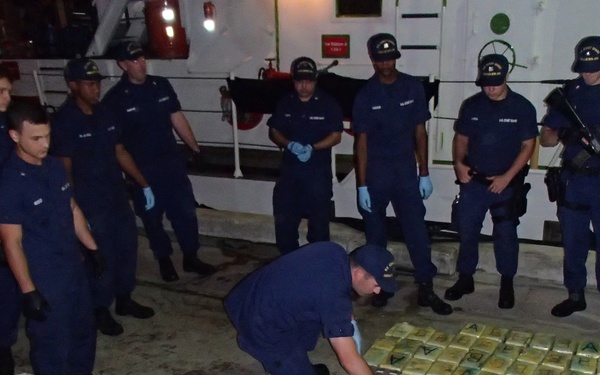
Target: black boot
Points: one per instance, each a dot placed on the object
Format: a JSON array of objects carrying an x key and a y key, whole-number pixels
[
  {"x": 191, "y": 263},
  {"x": 124, "y": 305},
  {"x": 428, "y": 298},
  {"x": 464, "y": 285},
  {"x": 507, "y": 293},
  {"x": 105, "y": 322},
  {"x": 381, "y": 299},
  {"x": 167, "y": 270},
  {"x": 321, "y": 369},
  {"x": 575, "y": 302},
  {"x": 7, "y": 362}
]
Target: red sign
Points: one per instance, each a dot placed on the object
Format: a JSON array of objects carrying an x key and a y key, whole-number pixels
[{"x": 335, "y": 46}]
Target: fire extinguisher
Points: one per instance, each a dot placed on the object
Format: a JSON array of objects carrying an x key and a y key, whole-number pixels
[{"x": 272, "y": 73}]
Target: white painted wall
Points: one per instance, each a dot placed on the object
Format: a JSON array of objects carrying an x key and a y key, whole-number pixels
[{"x": 543, "y": 34}]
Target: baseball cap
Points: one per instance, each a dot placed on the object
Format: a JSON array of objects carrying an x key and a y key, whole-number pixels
[
  {"x": 304, "y": 68},
  {"x": 383, "y": 47},
  {"x": 587, "y": 58},
  {"x": 378, "y": 262},
  {"x": 129, "y": 51},
  {"x": 492, "y": 70},
  {"x": 82, "y": 69}
]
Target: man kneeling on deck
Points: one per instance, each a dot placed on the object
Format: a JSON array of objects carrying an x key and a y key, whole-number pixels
[{"x": 280, "y": 310}]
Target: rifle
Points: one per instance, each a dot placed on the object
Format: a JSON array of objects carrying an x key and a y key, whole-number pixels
[{"x": 558, "y": 100}]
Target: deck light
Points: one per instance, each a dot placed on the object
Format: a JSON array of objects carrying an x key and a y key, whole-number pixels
[{"x": 209, "y": 16}]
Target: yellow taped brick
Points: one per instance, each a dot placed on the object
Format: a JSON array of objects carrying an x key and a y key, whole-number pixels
[
  {"x": 495, "y": 333},
  {"x": 485, "y": 345},
  {"x": 400, "y": 330},
  {"x": 462, "y": 341},
  {"x": 441, "y": 339},
  {"x": 473, "y": 329},
  {"x": 531, "y": 355},
  {"x": 416, "y": 366},
  {"x": 564, "y": 345},
  {"x": 518, "y": 338},
  {"x": 508, "y": 351},
  {"x": 375, "y": 356},
  {"x": 475, "y": 359},
  {"x": 441, "y": 368},
  {"x": 395, "y": 361},
  {"x": 460, "y": 370},
  {"x": 452, "y": 355},
  {"x": 421, "y": 334},
  {"x": 543, "y": 341},
  {"x": 521, "y": 368},
  {"x": 386, "y": 342},
  {"x": 557, "y": 360},
  {"x": 407, "y": 346},
  {"x": 588, "y": 349},
  {"x": 428, "y": 352},
  {"x": 497, "y": 365},
  {"x": 586, "y": 365},
  {"x": 543, "y": 370}
]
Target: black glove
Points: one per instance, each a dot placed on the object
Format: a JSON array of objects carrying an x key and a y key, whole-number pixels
[
  {"x": 35, "y": 306},
  {"x": 98, "y": 262}
]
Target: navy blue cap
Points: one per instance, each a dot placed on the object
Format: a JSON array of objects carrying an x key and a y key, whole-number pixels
[
  {"x": 129, "y": 51},
  {"x": 304, "y": 68},
  {"x": 378, "y": 262},
  {"x": 383, "y": 47},
  {"x": 587, "y": 59},
  {"x": 82, "y": 69},
  {"x": 492, "y": 70}
]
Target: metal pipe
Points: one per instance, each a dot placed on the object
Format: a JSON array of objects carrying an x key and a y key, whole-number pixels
[
  {"x": 38, "y": 88},
  {"x": 236, "y": 142}
]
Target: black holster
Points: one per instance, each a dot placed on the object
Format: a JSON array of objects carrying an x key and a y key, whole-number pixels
[
  {"x": 516, "y": 205},
  {"x": 556, "y": 189}
]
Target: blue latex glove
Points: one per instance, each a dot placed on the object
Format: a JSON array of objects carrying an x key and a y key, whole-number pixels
[
  {"x": 149, "y": 198},
  {"x": 295, "y": 148},
  {"x": 364, "y": 198},
  {"x": 425, "y": 186},
  {"x": 306, "y": 153},
  {"x": 357, "y": 337}
]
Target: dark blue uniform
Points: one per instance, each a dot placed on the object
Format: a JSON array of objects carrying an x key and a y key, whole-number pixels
[
  {"x": 281, "y": 309},
  {"x": 304, "y": 188},
  {"x": 37, "y": 197},
  {"x": 10, "y": 298},
  {"x": 99, "y": 189},
  {"x": 496, "y": 131},
  {"x": 147, "y": 131},
  {"x": 581, "y": 201},
  {"x": 388, "y": 114}
]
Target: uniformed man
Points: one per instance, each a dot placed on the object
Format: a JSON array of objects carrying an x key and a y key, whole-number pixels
[
  {"x": 306, "y": 124},
  {"x": 580, "y": 174},
  {"x": 86, "y": 137},
  {"x": 149, "y": 111},
  {"x": 312, "y": 289},
  {"x": 388, "y": 120},
  {"x": 10, "y": 299},
  {"x": 40, "y": 224},
  {"x": 494, "y": 140}
]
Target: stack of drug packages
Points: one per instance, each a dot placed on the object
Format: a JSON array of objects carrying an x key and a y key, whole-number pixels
[{"x": 480, "y": 350}]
